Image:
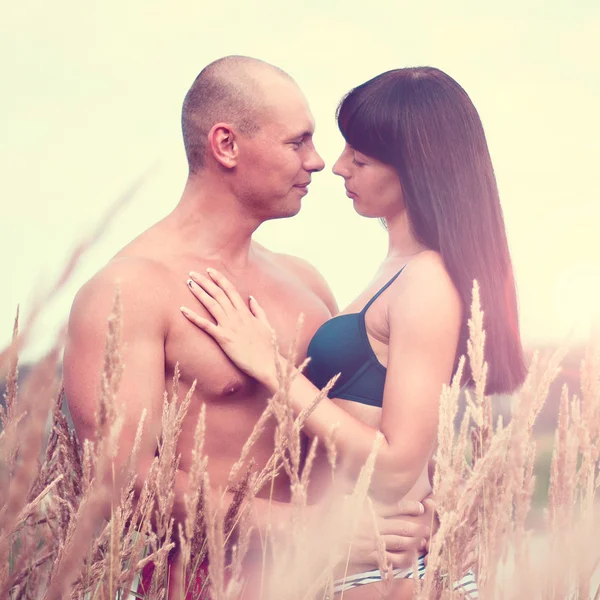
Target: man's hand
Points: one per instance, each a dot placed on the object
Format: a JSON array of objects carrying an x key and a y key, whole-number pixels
[{"x": 402, "y": 538}]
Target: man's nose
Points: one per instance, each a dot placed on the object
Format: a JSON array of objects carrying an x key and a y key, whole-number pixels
[{"x": 315, "y": 162}]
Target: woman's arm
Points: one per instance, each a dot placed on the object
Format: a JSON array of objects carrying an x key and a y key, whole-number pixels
[{"x": 424, "y": 321}]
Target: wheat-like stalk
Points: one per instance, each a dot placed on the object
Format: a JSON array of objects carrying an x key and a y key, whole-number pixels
[{"x": 55, "y": 542}]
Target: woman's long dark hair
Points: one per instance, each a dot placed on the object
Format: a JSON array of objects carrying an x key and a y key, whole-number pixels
[{"x": 421, "y": 122}]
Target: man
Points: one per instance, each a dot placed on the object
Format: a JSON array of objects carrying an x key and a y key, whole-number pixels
[{"x": 248, "y": 133}]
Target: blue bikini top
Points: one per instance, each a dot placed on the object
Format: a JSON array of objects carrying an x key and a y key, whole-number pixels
[{"x": 341, "y": 345}]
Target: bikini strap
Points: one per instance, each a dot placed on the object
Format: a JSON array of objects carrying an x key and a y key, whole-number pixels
[{"x": 385, "y": 287}]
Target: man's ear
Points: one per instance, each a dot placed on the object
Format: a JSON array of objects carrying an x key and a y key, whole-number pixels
[{"x": 223, "y": 144}]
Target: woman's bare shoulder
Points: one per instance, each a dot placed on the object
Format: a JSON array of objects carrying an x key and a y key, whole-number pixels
[{"x": 426, "y": 288}]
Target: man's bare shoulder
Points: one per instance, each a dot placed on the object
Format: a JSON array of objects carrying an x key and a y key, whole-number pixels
[
  {"x": 308, "y": 274},
  {"x": 142, "y": 284}
]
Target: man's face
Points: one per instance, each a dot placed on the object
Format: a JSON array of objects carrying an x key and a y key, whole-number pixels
[{"x": 275, "y": 165}]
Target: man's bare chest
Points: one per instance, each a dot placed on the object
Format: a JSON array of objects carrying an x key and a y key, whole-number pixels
[{"x": 285, "y": 300}]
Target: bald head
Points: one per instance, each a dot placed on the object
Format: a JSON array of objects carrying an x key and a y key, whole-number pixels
[{"x": 231, "y": 90}]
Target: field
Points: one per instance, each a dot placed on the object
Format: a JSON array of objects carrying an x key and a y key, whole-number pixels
[{"x": 533, "y": 541}]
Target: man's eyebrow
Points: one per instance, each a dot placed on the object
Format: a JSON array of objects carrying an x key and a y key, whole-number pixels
[{"x": 305, "y": 134}]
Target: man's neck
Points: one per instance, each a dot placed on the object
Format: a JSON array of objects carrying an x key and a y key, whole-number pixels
[{"x": 211, "y": 222}]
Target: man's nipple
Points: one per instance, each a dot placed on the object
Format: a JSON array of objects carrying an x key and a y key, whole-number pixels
[{"x": 232, "y": 388}]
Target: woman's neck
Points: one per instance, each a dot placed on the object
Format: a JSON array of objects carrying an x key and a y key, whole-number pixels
[{"x": 402, "y": 243}]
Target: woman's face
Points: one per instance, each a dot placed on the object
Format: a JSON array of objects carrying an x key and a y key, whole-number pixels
[{"x": 373, "y": 186}]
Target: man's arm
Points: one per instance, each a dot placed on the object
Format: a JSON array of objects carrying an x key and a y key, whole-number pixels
[
  {"x": 142, "y": 383},
  {"x": 142, "y": 386}
]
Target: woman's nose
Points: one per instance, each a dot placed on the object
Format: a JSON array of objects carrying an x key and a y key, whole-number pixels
[{"x": 338, "y": 168}]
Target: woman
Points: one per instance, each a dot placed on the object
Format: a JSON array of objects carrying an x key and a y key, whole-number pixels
[{"x": 415, "y": 157}]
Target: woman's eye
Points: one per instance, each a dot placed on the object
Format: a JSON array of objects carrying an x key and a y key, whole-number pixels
[{"x": 357, "y": 162}]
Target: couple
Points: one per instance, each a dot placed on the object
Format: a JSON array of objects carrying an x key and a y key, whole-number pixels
[{"x": 416, "y": 157}]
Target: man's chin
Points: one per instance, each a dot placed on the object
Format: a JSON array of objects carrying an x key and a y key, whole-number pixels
[{"x": 289, "y": 211}]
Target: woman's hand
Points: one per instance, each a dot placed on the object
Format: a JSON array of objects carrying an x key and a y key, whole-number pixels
[{"x": 243, "y": 332}]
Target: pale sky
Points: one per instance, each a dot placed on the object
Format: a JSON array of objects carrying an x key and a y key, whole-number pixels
[{"x": 92, "y": 93}]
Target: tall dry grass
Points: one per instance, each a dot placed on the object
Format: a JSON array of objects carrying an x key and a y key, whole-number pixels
[{"x": 56, "y": 542}]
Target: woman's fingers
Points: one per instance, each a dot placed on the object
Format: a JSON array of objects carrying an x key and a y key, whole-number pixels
[
  {"x": 224, "y": 293},
  {"x": 212, "y": 289},
  {"x": 228, "y": 288},
  {"x": 257, "y": 310},
  {"x": 212, "y": 306},
  {"x": 198, "y": 321}
]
